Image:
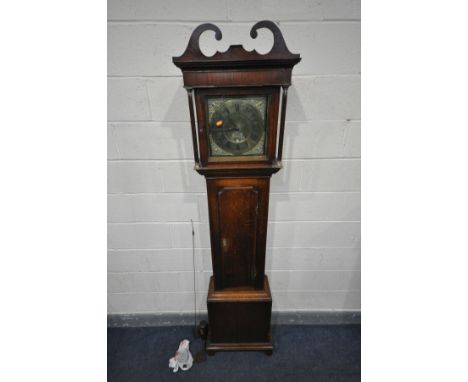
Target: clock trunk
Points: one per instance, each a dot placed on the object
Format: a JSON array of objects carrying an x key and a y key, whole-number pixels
[{"x": 238, "y": 210}]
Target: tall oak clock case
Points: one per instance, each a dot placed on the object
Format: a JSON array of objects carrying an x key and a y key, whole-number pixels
[{"x": 237, "y": 103}]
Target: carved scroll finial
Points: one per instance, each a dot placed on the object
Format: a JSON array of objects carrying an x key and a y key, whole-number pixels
[
  {"x": 193, "y": 46},
  {"x": 236, "y": 55},
  {"x": 279, "y": 45}
]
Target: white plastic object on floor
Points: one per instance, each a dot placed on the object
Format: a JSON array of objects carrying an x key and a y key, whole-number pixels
[{"x": 182, "y": 358}]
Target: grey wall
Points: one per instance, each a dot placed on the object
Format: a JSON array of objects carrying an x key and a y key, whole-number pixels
[{"x": 313, "y": 255}]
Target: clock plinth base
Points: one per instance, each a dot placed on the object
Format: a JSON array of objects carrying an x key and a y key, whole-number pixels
[
  {"x": 239, "y": 319},
  {"x": 213, "y": 347}
]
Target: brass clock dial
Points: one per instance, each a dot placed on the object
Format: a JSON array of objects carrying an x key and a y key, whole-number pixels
[{"x": 237, "y": 126}]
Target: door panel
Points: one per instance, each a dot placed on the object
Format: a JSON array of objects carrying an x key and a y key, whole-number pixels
[{"x": 238, "y": 210}]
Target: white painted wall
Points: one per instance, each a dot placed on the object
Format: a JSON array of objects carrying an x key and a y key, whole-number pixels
[{"x": 313, "y": 255}]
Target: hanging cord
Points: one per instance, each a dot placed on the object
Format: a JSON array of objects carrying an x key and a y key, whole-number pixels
[
  {"x": 201, "y": 329},
  {"x": 194, "y": 279}
]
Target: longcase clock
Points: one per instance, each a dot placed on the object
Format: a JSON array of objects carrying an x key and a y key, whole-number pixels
[{"x": 237, "y": 103}]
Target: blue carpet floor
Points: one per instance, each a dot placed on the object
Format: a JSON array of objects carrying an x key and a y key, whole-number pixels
[{"x": 302, "y": 353}]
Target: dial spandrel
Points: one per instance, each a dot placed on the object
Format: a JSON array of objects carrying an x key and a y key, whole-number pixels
[{"x": 237, "y": 125}]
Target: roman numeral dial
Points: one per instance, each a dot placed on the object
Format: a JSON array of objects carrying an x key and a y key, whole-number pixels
[{"x": 237, "y": 125}]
